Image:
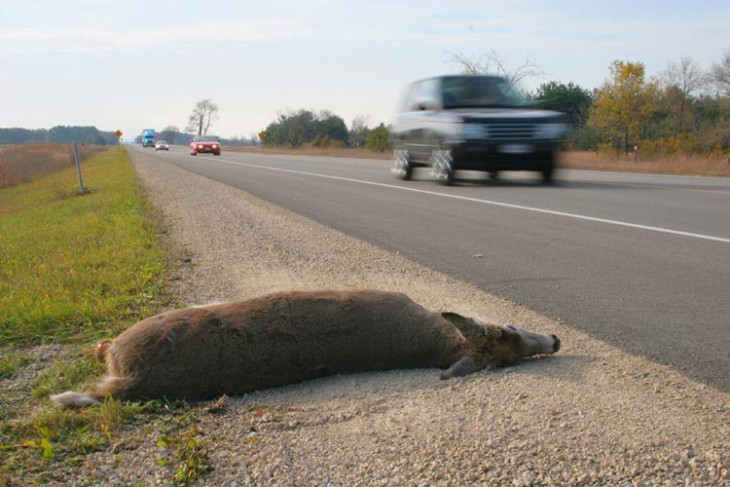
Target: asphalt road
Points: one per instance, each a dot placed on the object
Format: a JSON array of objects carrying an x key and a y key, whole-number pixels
[{"x": 641, "y": 261}]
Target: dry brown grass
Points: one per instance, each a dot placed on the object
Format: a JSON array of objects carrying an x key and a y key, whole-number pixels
[
  {"x": 20, "y": 163},
  {"x": 671, "y": 164}
]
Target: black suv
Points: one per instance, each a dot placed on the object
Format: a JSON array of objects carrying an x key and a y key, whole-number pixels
[{"x": 476, "y": 123}]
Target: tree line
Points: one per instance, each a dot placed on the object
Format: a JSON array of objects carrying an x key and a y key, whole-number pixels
[
  {"x": 58, "y": 134},
  {"x": 324, "y": 129},
  {"x": 684, "y": 109}
]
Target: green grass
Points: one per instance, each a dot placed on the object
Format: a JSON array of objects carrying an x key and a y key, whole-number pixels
[
  {"x": 73, "y": 268},
  {"x": 12, "y": 360},
  {"x": 75, "y": 265}
]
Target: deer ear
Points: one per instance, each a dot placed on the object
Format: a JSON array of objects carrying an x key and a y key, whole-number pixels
[{"x": 471, "y": 329}]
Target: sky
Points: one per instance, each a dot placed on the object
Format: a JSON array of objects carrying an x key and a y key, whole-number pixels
[{"x": 129, "y": 65}]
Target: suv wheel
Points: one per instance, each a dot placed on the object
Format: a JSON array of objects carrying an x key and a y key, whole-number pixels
[
  {"x": 442, "y": 168},
  {"x": 401, "y": 166},
  {"x": 548, "y": 171}
]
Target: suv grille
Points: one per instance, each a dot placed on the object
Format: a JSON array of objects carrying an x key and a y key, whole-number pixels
[{"x": 511, "y": 131}]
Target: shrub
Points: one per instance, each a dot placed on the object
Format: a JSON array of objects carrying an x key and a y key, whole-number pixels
[{"x": 377, "y": 139}]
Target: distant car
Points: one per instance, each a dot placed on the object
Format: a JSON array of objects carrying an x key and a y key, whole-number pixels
[
  {"x": 162, "y": 145},
  {"x": 473, "y": 122},
  {"x": 205, "y": 144}
]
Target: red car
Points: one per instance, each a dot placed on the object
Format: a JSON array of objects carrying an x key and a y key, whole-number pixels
[{"x": 205, "y": 144}]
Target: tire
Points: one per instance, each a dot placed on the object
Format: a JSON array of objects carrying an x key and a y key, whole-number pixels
[
  {"x": 548, "y": 172},
  {"x": 442, "y": 166},
  {"x": 493, "y": 175},
  {"x": 193, "y": 153},
  {"x": 401, "y": 167}
]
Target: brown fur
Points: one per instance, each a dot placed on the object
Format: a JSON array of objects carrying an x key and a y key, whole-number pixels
[{"x": 284, "y": 338}]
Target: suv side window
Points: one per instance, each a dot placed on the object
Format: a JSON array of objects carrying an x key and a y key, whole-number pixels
[{"x": 424, "y": 95}]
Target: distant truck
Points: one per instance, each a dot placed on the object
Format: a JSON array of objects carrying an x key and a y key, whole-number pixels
[{"x": 148, "y": 138}]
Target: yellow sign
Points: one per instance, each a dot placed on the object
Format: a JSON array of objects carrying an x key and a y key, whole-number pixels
[
  {"x": 118, "y": 133},
  {"x": 262, "y": 135}
]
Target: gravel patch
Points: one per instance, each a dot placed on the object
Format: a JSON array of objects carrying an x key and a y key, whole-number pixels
[{"x": 590, "y": 415}]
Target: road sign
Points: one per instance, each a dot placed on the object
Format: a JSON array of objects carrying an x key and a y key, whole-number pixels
[
  {"x": 118, "y": 133},
  {"x": 262, "y": 135}
]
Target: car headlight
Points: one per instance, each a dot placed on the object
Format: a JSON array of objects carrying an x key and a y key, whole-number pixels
[
  {"x": 472, "y": 131},
  {"x": 552, "y": 130}
]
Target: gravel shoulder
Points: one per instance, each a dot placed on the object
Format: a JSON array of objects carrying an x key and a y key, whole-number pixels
[{"x": 590, "y": 415}]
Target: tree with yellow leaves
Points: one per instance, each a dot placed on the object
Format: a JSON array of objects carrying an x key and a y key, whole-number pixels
[{"x": 624, "y": 105}]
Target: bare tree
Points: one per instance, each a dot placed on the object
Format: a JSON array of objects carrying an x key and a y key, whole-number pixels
[
  {"x": 359, "y": 130},
  {"x": 204, "y": 113},
  {"x": 492, "y": 63},
  {"x": 720, "y": 72},
  {"x": 685, "y": 77}
]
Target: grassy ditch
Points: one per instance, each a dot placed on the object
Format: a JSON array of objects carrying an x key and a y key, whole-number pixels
[
  {"x": 77, "y": 266},
  {"x": 74, "y": 268},
  {"x": 22, "y": 163}
]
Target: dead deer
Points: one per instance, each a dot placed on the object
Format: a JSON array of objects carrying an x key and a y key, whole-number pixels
[{"x": 285, "y": 338}]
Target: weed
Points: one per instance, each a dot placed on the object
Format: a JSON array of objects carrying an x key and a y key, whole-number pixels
[
  {"x": 65, "y": 374},
  {"x": 11, "y": 361},
  {"x": 191, "y": 459}
]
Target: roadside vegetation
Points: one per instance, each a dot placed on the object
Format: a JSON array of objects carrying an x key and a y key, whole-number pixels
[
  {"x": 75, "y": 268},
  {"x": 21, "y": 163},
  {"x": 686, "y": 164}
]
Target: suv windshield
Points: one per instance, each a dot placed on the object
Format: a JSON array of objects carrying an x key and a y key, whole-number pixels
[{"x": 478, "y": 92}]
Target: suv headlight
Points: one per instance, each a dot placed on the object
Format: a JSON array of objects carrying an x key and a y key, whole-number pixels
[
  {"x": 472, "y": 131},
  {"x": 552, "y": 130}
]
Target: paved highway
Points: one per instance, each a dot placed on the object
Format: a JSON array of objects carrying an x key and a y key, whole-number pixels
[{"x": 641, "y": 261}]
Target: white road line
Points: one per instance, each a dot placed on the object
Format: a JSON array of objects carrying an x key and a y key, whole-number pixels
[{"x": 485, "y": 202}]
